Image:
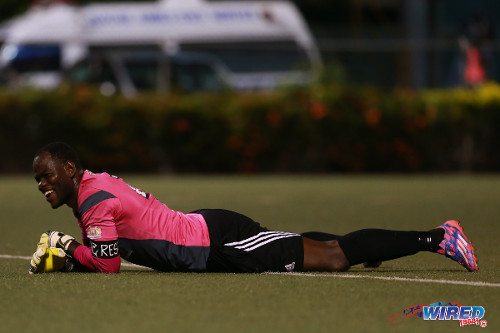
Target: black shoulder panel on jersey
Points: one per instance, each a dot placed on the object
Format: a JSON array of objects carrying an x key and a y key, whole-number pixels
[{"x": 93, "y": 200}]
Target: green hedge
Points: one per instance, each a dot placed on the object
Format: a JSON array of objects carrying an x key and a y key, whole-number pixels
[{"x": 322, "y": 128}]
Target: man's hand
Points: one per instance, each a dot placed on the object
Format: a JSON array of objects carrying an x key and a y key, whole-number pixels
[
  {"x": 44, "y": 241},
  {"x": 47, "y": 259},
  {"x": 55, "y": 239}
]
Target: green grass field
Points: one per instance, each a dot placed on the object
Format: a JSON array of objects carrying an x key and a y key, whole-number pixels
[{"x": 141, "y": 300}]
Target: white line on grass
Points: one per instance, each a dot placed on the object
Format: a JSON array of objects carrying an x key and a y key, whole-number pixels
[
  {"x": 338, "y": 275},
  {"x": 393, "y": 278}
]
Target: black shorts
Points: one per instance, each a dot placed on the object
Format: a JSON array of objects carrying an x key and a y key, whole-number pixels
[{"x": 238, "y": 244}]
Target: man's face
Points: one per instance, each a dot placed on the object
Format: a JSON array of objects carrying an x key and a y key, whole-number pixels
[{"x": 54, "y": 178}]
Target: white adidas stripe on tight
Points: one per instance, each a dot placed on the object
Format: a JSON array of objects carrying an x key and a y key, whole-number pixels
[{"x": 259, "y": 240}]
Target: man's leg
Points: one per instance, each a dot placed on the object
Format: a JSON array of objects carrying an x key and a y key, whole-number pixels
[
  {"x": 240, "y": 245},
  {"x": 371, "y": 245},
  {"x": 326, "y": 256},
  {"x": 323, "y": 236},
  {"x": 367, "y": 245}
]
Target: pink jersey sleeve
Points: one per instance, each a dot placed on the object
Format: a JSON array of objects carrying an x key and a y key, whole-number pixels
[
  {"x": 99, "y": 220},
  {"x": 84, "y": 256},
  {"x": 100, "y": 249}
]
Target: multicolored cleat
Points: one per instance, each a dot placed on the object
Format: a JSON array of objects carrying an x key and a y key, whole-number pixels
[{"x": 457, "y": 246}]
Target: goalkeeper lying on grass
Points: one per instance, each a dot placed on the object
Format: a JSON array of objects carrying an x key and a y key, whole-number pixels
[{"x": 121, "y": 221}]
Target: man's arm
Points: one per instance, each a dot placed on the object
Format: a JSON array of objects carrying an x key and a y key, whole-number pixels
[
  {"x": 72, "y": 247},
  {"x": 103, "y": 258}
]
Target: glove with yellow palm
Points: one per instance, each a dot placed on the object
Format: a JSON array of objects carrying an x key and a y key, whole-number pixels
[
  {"x": 50, "y": 255},
  {"x": 47, "y": 259}
]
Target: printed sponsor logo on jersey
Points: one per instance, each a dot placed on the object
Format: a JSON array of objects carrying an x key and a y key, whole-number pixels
[
  {"x": 94, "y": 233},
  {"x": 104, "y": 250}
]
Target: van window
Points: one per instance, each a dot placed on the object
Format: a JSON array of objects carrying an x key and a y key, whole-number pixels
[
  {"x": 183, "y": 75},
  {"x": 189, "y": 77},
  {"x": 273, "y": 56},
  {"x": 92, "y": 70},
  {"x": 33, "y": 58},
  {"x": 144, "y": 74}
]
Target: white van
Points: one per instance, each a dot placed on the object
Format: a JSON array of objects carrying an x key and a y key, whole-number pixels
[{"x": 248, "y": 44}]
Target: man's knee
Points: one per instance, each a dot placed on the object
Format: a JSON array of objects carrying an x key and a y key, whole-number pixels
[
  {"x": 340, "y": 263},
  {"x": 324, "y": 256}
]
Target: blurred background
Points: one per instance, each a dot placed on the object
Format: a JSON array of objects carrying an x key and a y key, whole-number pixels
[{"x": 253, "y": 86}]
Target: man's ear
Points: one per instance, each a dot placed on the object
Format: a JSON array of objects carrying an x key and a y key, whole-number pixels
[{"x": 70, "y": 169}]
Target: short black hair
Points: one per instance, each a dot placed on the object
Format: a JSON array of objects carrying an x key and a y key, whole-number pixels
[{"x": 62, "y": 152}]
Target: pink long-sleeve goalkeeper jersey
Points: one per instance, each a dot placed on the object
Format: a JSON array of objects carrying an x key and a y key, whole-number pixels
[{"x": 118, "y": 220}]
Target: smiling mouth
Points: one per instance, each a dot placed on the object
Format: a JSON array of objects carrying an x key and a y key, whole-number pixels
[{"x": 48, "y": 193}]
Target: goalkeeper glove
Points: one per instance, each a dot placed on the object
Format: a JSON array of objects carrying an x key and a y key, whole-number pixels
[
  {"x": 55, "y": 239},
  {"x": 47, "y": 259},
  {"x": 44, "y": 241}
]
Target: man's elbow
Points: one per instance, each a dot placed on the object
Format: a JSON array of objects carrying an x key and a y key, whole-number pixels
[{"x": 110, "y": 265}]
